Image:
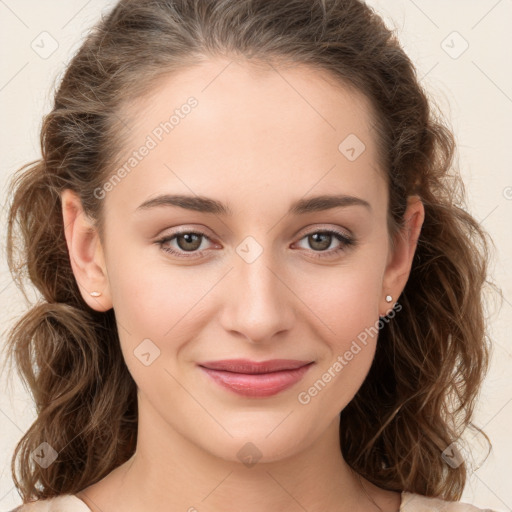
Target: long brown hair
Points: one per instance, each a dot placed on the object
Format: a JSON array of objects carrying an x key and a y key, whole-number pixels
[{"x": 431, "y": 359}]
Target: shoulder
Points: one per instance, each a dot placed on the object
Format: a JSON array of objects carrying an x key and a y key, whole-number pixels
[
  {"x": 412, "y": 502},
  {"x": 64, "y": 503}
]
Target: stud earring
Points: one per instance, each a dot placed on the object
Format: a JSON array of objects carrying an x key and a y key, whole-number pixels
[
  {"x": 389, "y": 298},
  {"x": 95, "y": 294}
]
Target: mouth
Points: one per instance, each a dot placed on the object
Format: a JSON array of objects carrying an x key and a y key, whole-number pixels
[{"x": 256, "y": 379}]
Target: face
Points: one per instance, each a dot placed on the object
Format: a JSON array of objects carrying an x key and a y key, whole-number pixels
[{"x": 257, "y": 271}]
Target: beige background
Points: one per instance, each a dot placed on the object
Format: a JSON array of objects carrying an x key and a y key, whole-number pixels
[{"x": 473, "y": 88}]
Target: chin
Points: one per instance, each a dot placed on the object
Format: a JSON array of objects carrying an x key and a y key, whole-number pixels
[{"x": 257, "y": 445}]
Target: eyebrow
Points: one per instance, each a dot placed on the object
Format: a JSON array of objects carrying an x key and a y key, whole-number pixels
[{"x": 208, "y": 205}]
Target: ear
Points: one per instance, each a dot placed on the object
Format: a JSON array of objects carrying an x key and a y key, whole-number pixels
[
  {"x": 85, "y": 252},
  {"x": 401, "y": 255}
]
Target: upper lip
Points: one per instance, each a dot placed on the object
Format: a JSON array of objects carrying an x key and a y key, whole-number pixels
[{"x": 254, "y": 367}]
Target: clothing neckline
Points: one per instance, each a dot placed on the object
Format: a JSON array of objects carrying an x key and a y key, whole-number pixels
[{"x": 87, "y": 509}]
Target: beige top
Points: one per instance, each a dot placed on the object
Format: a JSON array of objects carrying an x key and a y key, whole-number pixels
[{"x": 410, "y": 503}]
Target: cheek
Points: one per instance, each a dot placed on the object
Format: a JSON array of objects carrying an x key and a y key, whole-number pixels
[
  {"x": 156, "y": 309},
  {"x": 347, "y": 304},
  {"x": 151, "y": 298},
  {"x": 345, "y": 299}
]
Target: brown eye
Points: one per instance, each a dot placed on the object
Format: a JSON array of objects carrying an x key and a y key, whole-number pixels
[
  {"x": 320, "y": 241},
  {"x": 181, "y": 243},
  {"x": 189, "y": 241}
]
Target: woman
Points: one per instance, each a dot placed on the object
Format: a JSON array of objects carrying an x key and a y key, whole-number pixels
[{"x": 260, "y": 289}]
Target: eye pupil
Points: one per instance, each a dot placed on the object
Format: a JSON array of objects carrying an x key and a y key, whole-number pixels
[
  {"x": 190, "y": 238},
  {"x": 322, "y": 245}
]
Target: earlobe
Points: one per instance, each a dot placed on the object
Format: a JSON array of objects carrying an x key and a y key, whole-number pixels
[
  {"x": 405, "y": 243},
  {"x": 85, "y": 253}
]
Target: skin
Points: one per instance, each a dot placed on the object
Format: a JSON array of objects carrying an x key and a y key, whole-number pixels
[{"x": 259, "y": 139}]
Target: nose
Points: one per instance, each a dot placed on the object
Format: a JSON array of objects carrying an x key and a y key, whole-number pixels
[{"x": 258, "y": 303}]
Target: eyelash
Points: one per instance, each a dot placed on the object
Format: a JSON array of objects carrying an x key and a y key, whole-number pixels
[{"x": 347, "y": 242}]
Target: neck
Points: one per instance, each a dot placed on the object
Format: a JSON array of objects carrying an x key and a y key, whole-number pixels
[{"x": 168, "y": 472}]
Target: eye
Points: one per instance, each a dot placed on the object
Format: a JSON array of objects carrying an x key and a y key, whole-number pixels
[
  {"x": 187, "y": 242},
  {"x": 191, "y": 241},
  {"x": 319, "y": 241}
]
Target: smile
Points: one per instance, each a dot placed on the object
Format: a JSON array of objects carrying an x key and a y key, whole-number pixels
[{"x": 253, "y": 382}]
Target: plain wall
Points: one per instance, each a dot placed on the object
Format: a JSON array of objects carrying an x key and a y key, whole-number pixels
[{"x": 473, "y": 88}]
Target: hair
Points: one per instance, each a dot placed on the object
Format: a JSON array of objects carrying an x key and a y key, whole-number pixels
[{"x": 430, "y": 361}]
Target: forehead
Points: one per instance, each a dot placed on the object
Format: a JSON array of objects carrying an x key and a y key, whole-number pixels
[{"x": 251, "y": 128}]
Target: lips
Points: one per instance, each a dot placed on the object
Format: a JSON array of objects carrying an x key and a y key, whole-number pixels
[
  {"x": 256, "y": 378},
  {"x": 254, "y": 367}
]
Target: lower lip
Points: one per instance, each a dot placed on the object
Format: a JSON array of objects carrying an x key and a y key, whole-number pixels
[{"x": 257, "y": 385}]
